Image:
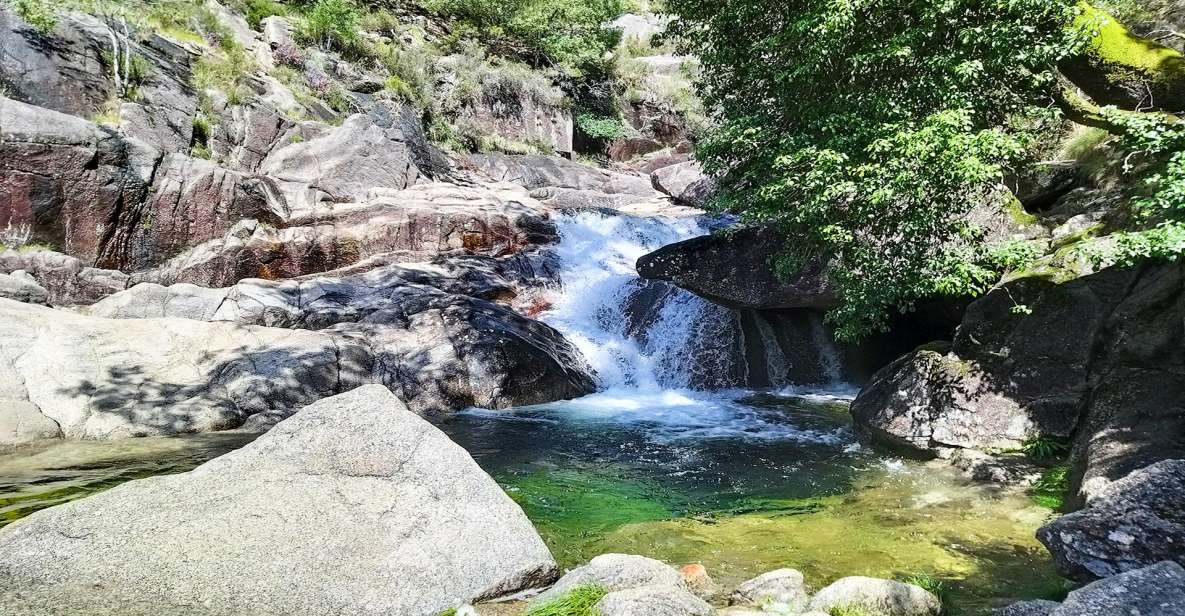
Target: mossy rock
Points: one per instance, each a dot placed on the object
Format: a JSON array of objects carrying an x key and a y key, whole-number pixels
[{"x": 1122, "y": 69}]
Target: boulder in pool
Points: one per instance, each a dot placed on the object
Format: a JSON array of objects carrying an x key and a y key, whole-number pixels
[
  {"x": 1157, "y": 590},
  {"x": 883, "y": 597},
  {"x": 658, "y": 600},
  {"x": 355, "y": 505},
  {"x": 615, "y": 572},
  {"x": 1135, "y": 522}
]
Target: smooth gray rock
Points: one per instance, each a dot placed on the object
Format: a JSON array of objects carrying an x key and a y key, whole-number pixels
[
  {"x": 22, "y": 422},
  {"x": 1136, "y": 522},
  {"x": 20, "y": 286},
  {"x": 1156, "y": 590},
  {"x": 353, "y": 506},
  {"x": 346, "y": 163},
  {"x": 106, "y": 378},
  {"x": 657, "y": 600},
  {"x": 883, "y": 597},
  {"x": 533, "y": 172},
  {"x": 685, "y": 183},
  {"x": 615, "y": 572},
  {"x": 782, "y": 587}
]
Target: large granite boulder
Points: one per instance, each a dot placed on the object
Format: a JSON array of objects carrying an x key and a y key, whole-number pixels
[
  {"x": 615, "y": 572},
  {"x": 734, "y": 268},
  {"x": 1135, "y": 522},
  {"x": 1156, "y": 590},
  {"x": 22, "y": 287},
  {"x": 105, "y": 378},
  {"x": 685, "y": 183},
  {"x": 1012, "y": 373},
  {"x": 191, "y": 201},
  {"x": 783, "y": 588},
  {"x": 385, "y": 149},
  {"x": 653, "y": 601},
  {"x": 353, "y": 506}
]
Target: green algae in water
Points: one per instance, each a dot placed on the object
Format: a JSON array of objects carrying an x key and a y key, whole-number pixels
[
  {"x": 50, "y": 473},
  {"x": 742, "y": 505}
]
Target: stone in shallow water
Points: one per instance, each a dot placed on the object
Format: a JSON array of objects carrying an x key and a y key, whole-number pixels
[
  {"x": 615, "y": 572},
  {"x": 658, "y": 600},
  {"x": 886, "y": 597},
  {"x": 353, "y": 506},
  {"x": 784, "y": 587}
]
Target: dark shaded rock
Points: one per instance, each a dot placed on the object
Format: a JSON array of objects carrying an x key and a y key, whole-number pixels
[
  {"x": 68, "y": 178},
  {"x": 1135, "y": 522},
  {"x": 633, "y": 147},
  {"x": 1156, "y": 590},
  {"x": 1009, "y": 375},
  {"x": 733, "y": 268}
]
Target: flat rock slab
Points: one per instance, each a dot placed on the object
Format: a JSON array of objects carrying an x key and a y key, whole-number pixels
[{"x": 354, "y": 505}]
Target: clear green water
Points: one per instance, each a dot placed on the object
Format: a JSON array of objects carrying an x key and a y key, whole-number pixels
[
  {"x": 742, "y": 485},
  {"x": 747, "y": 485}
]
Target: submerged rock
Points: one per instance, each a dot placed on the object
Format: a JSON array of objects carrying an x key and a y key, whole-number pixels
[
  {"x": 1136, "y": 522},
  {"x": 353, "y": 506},
  {"x": 886, "y": 597}
]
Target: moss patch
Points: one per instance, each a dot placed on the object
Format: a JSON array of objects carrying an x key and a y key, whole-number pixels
[{"x": 1115, "y": 46}]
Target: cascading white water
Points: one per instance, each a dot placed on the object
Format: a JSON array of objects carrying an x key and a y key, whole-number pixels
[{"x": 597, "y": 255}]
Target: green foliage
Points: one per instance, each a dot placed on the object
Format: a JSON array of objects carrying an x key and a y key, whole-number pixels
[
  {"x": 1043, "y": 447},
  {"x": 331, "y": 24},
  {"x": 37, "y": 13},
  {"x": 225, "y": 69},
  {"x": 1050, "y": 490},
  {"x": 257, "y": 10},
  {"x": 580, "y": 601},
  {"x": 1159, "y": 202},
  {"x": 868, "y": 129},
  {"x": 600, "y": 127},
  {"x": 566, "y": 34},
  {"x": 934, "y": 586}
]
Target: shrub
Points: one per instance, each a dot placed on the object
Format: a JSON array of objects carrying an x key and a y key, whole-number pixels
[
  {"x": 36, "y": 13},
  {"x": 869, "y": 136},
  {"x": 600, "y": 127},
  {"x": 331, "y": 24}
]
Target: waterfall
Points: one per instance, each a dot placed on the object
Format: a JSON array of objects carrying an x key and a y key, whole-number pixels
[
  {"x": 775, "y": 359},
  {"x": 682, "y": 333}
]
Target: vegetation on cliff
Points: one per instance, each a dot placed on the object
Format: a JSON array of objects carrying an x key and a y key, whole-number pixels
[{"x": 871, "y": 130}]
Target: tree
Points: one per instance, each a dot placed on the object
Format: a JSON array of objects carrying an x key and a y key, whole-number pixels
[{"x": 868, "y": 129}]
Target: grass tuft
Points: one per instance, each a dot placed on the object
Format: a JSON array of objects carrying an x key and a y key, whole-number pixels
[{"x": 580, "y": 601}]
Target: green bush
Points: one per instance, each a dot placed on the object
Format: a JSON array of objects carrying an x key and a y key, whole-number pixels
[
  {"x": 868, "y": 135},
  {"x": 331, "y": 24},
  {"x": 600, "y": 127},
  {"x": 36, "y": 13}
]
